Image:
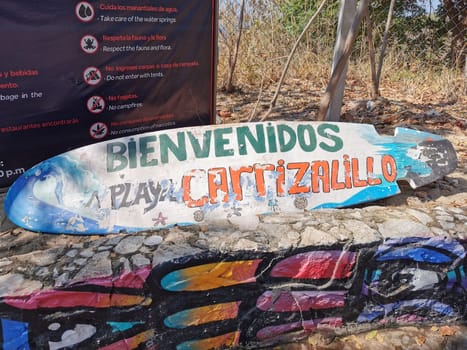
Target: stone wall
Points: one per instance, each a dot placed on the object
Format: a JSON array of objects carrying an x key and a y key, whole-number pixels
[{"x": 246, "y": 282}]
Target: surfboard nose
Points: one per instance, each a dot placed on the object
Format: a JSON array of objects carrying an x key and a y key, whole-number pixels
[{"x": 12, "y": 205}]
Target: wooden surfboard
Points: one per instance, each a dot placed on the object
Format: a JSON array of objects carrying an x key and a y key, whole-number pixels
[{"x": 200, "y": 174}]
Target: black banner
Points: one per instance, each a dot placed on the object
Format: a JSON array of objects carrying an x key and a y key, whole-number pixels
[{"x": 79, "y": 72}]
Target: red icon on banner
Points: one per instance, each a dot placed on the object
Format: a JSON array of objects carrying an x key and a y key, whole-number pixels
[
  {"x": 89, "y": 44},
  {"x": 98, "y": 130},
  {"x": 95, "y": 104},
  {"x": 84, "y": 11},
  {"x": 92, "y": 76}
]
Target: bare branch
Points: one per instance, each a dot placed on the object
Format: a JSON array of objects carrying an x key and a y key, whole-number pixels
[
  {"x": 260, "y": 94},
  {"x": 286, "y": 67},
  {"x": 371, "y": 50},
  {"x": 233, "y": 62},
  {"x": 384, "y": 44}
]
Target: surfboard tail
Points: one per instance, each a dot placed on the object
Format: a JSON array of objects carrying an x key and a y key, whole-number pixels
[{"x": 439, "y": 156}]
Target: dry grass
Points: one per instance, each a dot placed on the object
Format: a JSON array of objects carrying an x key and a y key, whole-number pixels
[
  {"x": 415, "y": 81},
  {"x": 265, "y": 47}
]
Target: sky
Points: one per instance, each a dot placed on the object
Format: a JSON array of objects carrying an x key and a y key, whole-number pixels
[{"x": 433, "y": 6}]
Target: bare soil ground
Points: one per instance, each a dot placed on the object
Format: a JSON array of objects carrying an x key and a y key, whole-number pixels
[{"x": 298, "y": 100}]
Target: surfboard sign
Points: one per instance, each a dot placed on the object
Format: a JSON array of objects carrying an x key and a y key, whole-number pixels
[{"x": 197, "y": 175}]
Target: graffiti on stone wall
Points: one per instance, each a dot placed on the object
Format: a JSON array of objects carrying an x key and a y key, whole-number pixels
[{"x": 215, "y": 300}]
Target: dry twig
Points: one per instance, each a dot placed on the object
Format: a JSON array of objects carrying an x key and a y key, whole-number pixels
[{"x": 289, "y": 59}]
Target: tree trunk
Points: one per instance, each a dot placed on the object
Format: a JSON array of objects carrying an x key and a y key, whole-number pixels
[
  {"x": 340, "y": 67},
  {"x": 371, "y": 49},
  {"x": 347, "y": 14}
]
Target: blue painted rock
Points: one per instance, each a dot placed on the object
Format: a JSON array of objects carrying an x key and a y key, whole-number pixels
[{"x": 192, "y": 175}]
